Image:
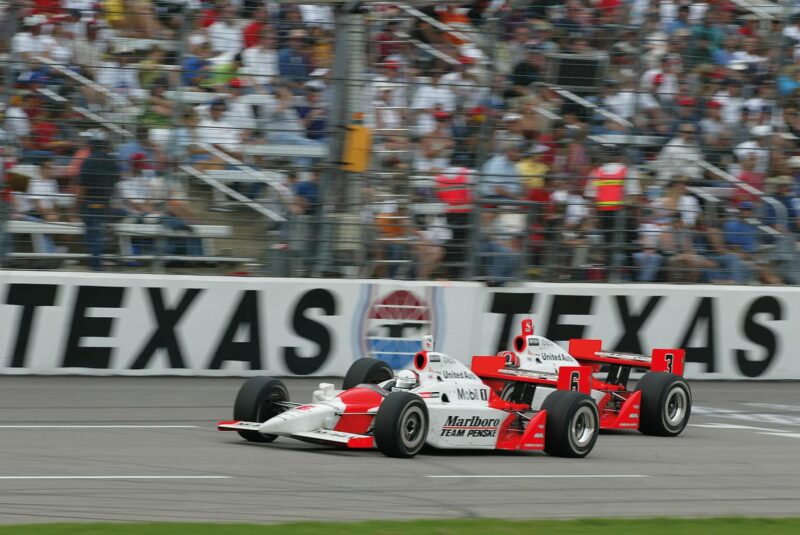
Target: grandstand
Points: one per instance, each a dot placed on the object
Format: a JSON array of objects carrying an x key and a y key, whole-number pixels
[{"x": 548, "y": 140}]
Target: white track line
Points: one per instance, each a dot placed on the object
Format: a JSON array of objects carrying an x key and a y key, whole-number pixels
[
  {"x": 100, "y": 426},
  {"x": 735, "y": 426},
  {"x": 790, "y": 435},
  {"x": 540, "y": 476},
  {"x": 112, "y": 477}
]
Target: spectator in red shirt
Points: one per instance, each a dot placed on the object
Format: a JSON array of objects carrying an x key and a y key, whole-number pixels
[
  {"x": 252, "y": 32},
  {"x": 388, "y": 43},
  {"x": 47, "y": 7}
]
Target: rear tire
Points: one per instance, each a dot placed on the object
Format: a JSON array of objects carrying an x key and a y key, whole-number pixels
[
  {"x": 255, "y": 402},
  {"x": 401, "y": 425},
  {"x": 573, "y": 424},
  {"x": 666, "y": 404},
  {"x": 367, "y": 371}
]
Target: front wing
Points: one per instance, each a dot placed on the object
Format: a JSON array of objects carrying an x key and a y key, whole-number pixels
[{"x": 319, "y": 436}]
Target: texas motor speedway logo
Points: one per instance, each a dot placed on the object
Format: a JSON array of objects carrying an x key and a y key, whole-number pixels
[{"x": 394, "y": 320}]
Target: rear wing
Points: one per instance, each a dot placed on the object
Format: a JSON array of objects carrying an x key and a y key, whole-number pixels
[
  {"x": 588, "y": 351},
  {"x": 502, "y": 367}
]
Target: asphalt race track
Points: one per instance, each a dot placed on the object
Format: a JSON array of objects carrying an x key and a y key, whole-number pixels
[{"x": 78, "y": 448}]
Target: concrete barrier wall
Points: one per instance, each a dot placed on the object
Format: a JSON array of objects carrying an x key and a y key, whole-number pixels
[{"x": 73, "y": 323}]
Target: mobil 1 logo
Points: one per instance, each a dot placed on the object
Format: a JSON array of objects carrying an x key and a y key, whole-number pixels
[{"x": 472, "y": 394}]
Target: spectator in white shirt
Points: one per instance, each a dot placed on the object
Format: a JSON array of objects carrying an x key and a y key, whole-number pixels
[
  {"x": 226, "y": 33},
  {"x": 30, "y": 42},
  {"x": 119, "y": 75},
  {"x": 261, "y": 61},
  {"x": 218, "y": 131},
  {"x": 732, "y": 102},
  {"x": 432, "y": 94},
  {"x": 681, "y": 155},
  {"x": 757, "y": 147},
  {"x": 87, "y": 52},
  {"x": 17, "y": 124},
  {"x": 240, "y": 111},
  {"x": 317, "y": 15},
  {"x": 430, "y": 97}
]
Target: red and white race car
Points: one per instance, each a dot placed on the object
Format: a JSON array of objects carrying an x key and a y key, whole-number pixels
[
  {"x": 660, "y": 404},
  {"x": 441, "y": 403}
]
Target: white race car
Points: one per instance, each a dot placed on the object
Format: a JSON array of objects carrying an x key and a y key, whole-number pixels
[{"x": 441, "y": 403}]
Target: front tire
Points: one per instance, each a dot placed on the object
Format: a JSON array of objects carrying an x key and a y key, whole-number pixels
[
  {"x": 573, "y": 424},
  {"x": 401, "y": 425},
  {"x": 666, "y": 404},
  {"x": 367, "y": 371},
  {"x": 256, "y": 402}
]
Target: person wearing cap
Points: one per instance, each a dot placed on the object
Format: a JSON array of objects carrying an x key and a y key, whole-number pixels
[
  {"x": 532, "y": 168},
  {"x": 239, "y": 111},
  {"x": 293, "y": 62},
  {"x": 687, "y": 113},
  {"x": 29, "y": 42}
]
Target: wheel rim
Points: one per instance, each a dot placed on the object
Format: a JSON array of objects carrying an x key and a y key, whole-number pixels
[
  {"x": 675, "y": 407},
  {"x": 583, "y": 428},
  {"x": 269, "y": 408},
  {"x": 411, "y": 427}
]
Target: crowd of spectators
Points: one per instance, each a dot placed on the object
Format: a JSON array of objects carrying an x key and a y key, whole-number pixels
[{"x": 708, "y": 91}]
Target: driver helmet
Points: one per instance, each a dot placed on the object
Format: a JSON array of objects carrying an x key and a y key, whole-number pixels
[{"x": 405, "y": 380}]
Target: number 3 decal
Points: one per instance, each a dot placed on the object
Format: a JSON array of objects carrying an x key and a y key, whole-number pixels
[{"x": 670, "y": 358}]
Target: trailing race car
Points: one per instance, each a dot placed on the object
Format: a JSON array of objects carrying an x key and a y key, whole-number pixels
[
  {"x": 660, "y": 405},
  {"x": 440, "y": 403}
]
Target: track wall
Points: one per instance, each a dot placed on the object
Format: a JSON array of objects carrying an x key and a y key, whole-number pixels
[{"x": 71, "y": 323}]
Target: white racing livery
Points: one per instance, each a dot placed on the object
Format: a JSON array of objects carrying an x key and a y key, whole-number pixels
[
  {"x": 440, "y": 403},
  {"x": 660, "y": 404}
]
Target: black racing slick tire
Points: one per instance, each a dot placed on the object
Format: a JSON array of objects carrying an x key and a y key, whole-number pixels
[
  {"x": 256, "y": 402},
  {"x": 367, "y": 371},
  {"x": 666, "y": 404},
  {"x": 401, "y": 425},
  {"x": 572, "y": 425}
]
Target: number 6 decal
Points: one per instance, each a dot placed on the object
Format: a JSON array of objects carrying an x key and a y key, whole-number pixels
[{"x": 575, "y": 381}]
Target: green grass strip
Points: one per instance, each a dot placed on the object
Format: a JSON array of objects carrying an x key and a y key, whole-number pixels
[{"x": 483, "y": 526}]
